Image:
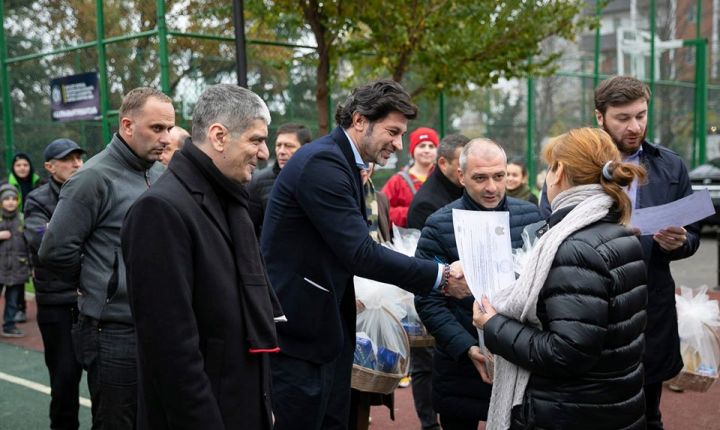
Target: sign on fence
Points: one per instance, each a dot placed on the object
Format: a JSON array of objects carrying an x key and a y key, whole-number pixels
[{"x": 75, "y": 97}]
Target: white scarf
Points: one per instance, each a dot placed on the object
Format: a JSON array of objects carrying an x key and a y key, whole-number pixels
[{"x": 519, "y": 301}]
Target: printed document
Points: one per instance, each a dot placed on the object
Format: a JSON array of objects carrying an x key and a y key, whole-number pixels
[
  {"x": 483, "y": 242},
  {"x": 679, "y": 213}
]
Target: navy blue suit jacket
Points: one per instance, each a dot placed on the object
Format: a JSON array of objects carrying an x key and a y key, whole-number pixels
[{"x": 315, "y": 237}]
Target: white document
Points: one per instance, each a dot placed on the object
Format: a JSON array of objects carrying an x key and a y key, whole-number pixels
[
  {"x": 483, "y": 242},
  {"x": 687, "y": 210}
]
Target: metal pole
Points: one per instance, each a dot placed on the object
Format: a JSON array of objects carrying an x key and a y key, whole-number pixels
[
  {"x": 240, "y": 54},
  {"x": 596, "y": 65},
  {"x": 702, "y": 98},
  {"x": 102, "y": 69},
  {"x": 651, "y": 103},
  {"x": 701, "y": 85},
  {"x": 6, "y": 101},
  {"x": 162, "y": 36},
  {"x": 529, "y": 153}
]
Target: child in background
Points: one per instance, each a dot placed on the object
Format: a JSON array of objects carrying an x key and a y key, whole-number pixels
[{"x": 14, "y": 267}]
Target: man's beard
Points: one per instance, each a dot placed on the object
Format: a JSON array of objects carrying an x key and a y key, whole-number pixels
[{"x": 619, "y": 143}]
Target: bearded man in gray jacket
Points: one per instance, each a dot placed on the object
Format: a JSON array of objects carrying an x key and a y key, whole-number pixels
[{"x": 82, "y": 242}]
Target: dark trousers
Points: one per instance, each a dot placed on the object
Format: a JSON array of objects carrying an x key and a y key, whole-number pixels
[
  {"x": 55, "y": 322},
  {"x": 107, "y": 352},
  {"x": 421, "y": 360},
  {"x": 653, "y": 392},
  {"x": 12, "y": 300},
  {"x": 454, "y": 423},
  {"x": 310, "y": 396},
  {"x": 22, "y": 304}
]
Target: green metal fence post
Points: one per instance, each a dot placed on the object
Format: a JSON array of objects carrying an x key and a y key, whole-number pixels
[
  {"x": 102, "y": 69},
  {"x": 651, "y": 104},
  {"x": 529, "y": 150},
  {"x": 596, "y": 51},
  {"x": 700, "y": 86},
  {"x": 6, "y": 101},
  {"x": 162, "y": 39},
  {"x": 596, "y": 59},
  {"x": 702, "y": 96}
]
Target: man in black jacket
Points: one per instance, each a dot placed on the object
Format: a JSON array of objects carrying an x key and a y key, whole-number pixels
[
  {"x": 201, "y": 301},
  {"x": 443, "y": 186},
  {"x": 621, "y": 109},
  {"x": 56, "y": 299},
  {"x": 459, "y": 395},
  {"x": 290, "y": 137}
]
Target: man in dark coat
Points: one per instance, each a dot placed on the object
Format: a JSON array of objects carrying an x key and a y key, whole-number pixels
[
  {"x": 56, "y": 299},
  {"x": 621, "y": 107},
  {"x": 290, "y": 137},
  {"x": 459, "y": 395},
  {"x": 443, "y": 186},
  {"x": 200, "y": 297},
  {"x": 315, "y": 238}
]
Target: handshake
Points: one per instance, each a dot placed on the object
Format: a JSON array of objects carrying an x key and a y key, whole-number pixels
[{"x": 456, "y": 287}]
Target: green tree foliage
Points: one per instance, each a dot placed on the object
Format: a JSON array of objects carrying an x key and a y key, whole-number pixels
[
  {"x": 446, "y": 44},
  {"x": 450, "y": 43}
]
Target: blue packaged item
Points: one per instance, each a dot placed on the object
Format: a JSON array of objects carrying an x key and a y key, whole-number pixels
[
  {"x": 364, "y": 355},
  {"x": 387, "y": 360},
  {"x": 412, "y": 328}
]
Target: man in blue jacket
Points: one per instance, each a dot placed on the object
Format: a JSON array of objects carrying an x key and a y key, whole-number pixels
[
  {"x": 315, "y": 237},
  {"x": 621, "y": 109},
  {"x": 459, "y": 395}
]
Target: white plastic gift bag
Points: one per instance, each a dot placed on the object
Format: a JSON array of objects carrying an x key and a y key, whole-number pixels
[
  {"x": 698, "y": 321},
  {"x": 698, "y": 316}
]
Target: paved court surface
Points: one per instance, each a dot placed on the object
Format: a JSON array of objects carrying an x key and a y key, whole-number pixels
[{"x": 23, "y": 407}]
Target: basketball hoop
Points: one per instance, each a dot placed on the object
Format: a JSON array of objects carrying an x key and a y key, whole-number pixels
[{"x": 635, "y": 44}]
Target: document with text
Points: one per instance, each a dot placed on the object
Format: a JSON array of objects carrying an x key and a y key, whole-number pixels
[
  {"x": 679, "y": 213},
  {"x": 483, "y": 242}
]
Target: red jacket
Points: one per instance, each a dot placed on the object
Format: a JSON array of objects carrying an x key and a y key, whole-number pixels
[{"x": 400, "y": 195}]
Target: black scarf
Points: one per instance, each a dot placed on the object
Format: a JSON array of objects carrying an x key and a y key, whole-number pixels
[{"x": 260, "y": 305}]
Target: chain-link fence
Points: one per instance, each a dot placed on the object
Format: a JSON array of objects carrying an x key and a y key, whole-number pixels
[{"x": 46, "y": 39}]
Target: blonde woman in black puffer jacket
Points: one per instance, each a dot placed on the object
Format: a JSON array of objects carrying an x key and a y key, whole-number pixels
[{"x": 568, "y": 340}]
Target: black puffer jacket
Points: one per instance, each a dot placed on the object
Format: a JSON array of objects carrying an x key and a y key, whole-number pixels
[
  {"x": 14, "y": 262},
  {"x": 586, "y": 362},
  {"x": 458, "y": 390},
  {"x": 259, "y": 190},
  {"x": 50, "y": 288}
]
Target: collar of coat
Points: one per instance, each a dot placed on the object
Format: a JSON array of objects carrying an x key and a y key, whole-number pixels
[
  {"x": 122, "y": 151},
  {"x": 199, "y": 179},
  {"x": 502, "y": 206}
]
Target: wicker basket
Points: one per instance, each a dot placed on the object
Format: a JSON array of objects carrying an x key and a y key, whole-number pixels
[
  {"x": 692, "y": 381},
  {"x": 374, "y": 381},
  {"x": 422, "y": 341}
]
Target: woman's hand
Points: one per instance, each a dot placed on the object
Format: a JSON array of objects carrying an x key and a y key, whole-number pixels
[
  {"x": 480, "y": 361},
  {"x": 482, "y": 314}
]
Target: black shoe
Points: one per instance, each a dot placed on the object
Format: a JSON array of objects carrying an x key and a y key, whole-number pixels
[
  {"x": 13, "y": 332},
  {"x": 20, "y": 317}
]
